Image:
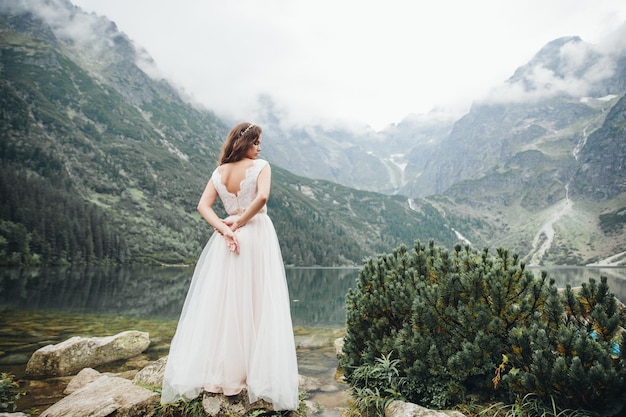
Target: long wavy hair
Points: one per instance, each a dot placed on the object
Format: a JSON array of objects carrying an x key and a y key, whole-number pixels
[{"x": 239, "y": 140}]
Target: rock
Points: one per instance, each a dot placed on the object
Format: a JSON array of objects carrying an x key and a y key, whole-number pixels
[
  {"x": 403, "y": 409},
  {"x": 312, "y": 341},
  {"x": 106, "y": 396},
  {"x": 76, "y": 353},
  {"x": 329, "y": 388},
  {"x": 152, "y": 375},
  {"x": 339, "y": 346},
  {"x": 211, "y": 405},
  {"x": 13, "y": 415},
  {"x": 312, "y": 408},
  {"x": 93, "y": 394},
  {"x": 84, "y": 377},
  {"x": 339, "y": 376},
  {"x": 308, "y": 383},
  {"x": 219, "y": 405}
]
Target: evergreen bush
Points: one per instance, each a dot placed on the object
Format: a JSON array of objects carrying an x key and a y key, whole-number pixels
[{"x": 473, "y": 326}]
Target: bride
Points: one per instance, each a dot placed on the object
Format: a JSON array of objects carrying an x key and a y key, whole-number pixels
[{"x": 235, "y": 328}]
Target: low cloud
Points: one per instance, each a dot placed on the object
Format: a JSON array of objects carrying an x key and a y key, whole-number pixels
[
  {"x": 319, "y": 62},
  {"x": 66, "y": 20},
  {"x": 576, "y": 69},
  {"x": 92, "y": 35}
]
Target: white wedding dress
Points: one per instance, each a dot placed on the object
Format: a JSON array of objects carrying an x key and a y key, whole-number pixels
[{"x": 235, "y": 328}]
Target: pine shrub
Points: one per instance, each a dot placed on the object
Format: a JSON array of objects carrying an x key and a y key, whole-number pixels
[{"x": 468, "y": 325}]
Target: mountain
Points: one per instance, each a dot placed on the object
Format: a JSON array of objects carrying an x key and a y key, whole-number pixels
[
  {"x": 571, "y": 65},
  {"x": 342, "y": 153},
  {"x": 103, "y": 161},
  {"x": 538, "y": 163},
  {"x": 543, "y": 168},
  {"x": 550, "y": 206},
  {"x": 600, "y": 172}
]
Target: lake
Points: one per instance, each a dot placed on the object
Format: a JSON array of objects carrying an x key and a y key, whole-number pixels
[{"x": 49, "y": 305}]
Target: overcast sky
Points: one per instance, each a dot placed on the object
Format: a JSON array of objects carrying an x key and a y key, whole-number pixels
[{"x": 360, "y": 61}]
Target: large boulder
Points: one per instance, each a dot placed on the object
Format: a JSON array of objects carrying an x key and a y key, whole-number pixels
[
  {"x": 76, "y": 353},
  {"x": 102, "y": 396}
]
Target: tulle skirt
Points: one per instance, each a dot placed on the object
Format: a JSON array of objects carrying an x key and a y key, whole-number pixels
[{"x": 235, "y": 328}]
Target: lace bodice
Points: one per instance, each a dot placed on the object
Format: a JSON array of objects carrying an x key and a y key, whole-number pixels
[{"x": 238, "y": 203}]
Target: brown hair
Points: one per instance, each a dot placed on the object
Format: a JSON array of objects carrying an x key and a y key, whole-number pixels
[{"x": 239, "y": 140}]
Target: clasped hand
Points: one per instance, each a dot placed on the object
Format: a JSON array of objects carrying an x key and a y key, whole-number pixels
[
  {"x": 232, "y": 243},
  {"x": 229, "y": 235}
]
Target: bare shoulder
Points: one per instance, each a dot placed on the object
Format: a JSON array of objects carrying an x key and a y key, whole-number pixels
[
  {"x": 235, "y": 167},
  {"x": 224, "y": 167}
]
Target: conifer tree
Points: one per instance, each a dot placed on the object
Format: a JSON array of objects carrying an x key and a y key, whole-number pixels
[{"x": 468, "y": 323}]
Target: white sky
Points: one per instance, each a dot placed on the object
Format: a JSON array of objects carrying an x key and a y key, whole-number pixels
[{"x": 360, "y": 61}]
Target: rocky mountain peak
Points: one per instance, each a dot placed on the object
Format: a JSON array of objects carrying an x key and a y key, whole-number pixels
[{"x": 571, "y": 66}]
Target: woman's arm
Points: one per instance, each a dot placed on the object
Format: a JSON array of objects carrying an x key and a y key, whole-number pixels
[
  {"x": 263, "y": 184},
  {"x": 205, "y": 208}
]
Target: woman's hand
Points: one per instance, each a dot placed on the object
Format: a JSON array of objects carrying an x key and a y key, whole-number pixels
[
  {"x": 231, "y": 241},
  {"x": 232, "y": 222},
  {"x": 229, "y": 233}
]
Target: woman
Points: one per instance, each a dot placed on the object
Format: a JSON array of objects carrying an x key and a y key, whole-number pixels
[{"x": 235, "y": 328}]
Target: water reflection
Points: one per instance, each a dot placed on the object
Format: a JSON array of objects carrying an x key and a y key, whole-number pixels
[
  {"x": 575, "y": 276},
  {"x": 317, "y": 293},
  {"x": 138, "y": 291}
]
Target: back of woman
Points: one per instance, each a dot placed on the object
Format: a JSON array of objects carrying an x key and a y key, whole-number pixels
[
  {"x": 239, "y": 185},
  {"x": 233, "y": 174},
  {"x": 235, "y": 329}
]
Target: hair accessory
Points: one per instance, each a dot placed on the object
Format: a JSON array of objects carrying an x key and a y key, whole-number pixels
[{"x": 245, "y": 131}]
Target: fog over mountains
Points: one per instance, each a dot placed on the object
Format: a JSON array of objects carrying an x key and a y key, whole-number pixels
[
  {"x": 541, "y": 158},
  {"x": 566, "y": 69},
  {"x": 537, "y": 165}
]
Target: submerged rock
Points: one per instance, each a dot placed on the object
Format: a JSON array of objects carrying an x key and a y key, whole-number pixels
[{"x": 76, "y": 353}]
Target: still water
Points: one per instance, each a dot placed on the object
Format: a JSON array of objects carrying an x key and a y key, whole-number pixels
[
  {"x": 317, "y": 294},
  {"x": 44, "y": 306},
  {"x": 47, "y": 306}
]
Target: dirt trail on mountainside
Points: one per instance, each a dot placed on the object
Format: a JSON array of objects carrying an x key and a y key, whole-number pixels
[{"x": 545, "y": 236}]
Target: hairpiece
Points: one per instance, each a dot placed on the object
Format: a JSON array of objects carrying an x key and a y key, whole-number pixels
[{"x": 246, "y": 131}]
